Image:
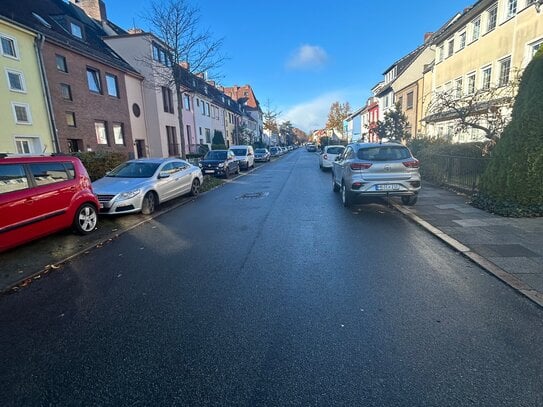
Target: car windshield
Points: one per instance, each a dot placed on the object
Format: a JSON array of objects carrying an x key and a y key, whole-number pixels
[
  {"x": 274, "y": 149},
  {"x": 215, "y": 155},
  {"x": 260, "y": 151},
  {"x": 335, "y": 150},
  {"x": 134, "y": 169},
  {"x": 384, "y": 153},
  {"x": 240, "y": 151}
]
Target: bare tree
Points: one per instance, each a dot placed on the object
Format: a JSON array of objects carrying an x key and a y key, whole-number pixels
[
  {"x": 487, "y": 109},
  {"x": 177, "y": 24}
]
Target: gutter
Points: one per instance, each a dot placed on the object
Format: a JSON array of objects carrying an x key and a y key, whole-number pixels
[{"x": 38, "y": 45}]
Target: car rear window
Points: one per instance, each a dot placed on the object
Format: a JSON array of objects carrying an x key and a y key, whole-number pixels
[
  {"x": 12, "y": 178},
  {"x": 383, "y": 153},
  {"x": 239, "y": 151},
  {"x": 335, "y": 150},
  {"x": 260, "y": 150}
]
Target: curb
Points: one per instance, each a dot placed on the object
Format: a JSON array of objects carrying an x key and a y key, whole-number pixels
[{"x": 502, "y": 275}]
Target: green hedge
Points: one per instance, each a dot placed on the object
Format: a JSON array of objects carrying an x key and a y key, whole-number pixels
[{"x": 98, "y": 163}]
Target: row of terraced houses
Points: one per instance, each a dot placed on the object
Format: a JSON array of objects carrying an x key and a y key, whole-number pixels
[
  {"x": 71, "y": 80},
  {"x": 479, "y": 49}
]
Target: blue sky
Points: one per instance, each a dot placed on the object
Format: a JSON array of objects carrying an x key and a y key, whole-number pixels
[{"x": 303, "y": 55}]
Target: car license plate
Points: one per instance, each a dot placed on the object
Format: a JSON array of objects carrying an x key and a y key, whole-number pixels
[
  {"x": 388, "y": 187},
  {"x": 209, "y": 171}
]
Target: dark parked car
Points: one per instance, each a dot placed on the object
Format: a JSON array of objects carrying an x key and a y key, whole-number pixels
[
  {"x": 366, "y": 169},
  {"x": 220, "y": 163},
  {"x": 42, "y": 195},
  {"x": 262, "y": 154}
]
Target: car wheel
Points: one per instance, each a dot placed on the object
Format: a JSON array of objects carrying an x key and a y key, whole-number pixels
[
  {"x": 346, "y": 196},
  {"x": 85, "y": 219},
  {"x": 195, "y": 187},
  {"x": 335, "y": 187},
  {"x": 410, "y": 200},
  {"x": 149, "y": 203},
  {"x": 237, "y": 170}
]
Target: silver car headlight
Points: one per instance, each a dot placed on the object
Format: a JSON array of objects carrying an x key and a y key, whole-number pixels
[
  {"x": 221, "y": 165},
  {"x": 129, "y": 194}
]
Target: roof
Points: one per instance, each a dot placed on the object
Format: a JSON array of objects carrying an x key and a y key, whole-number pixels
[{"x": 53, "y": 21}]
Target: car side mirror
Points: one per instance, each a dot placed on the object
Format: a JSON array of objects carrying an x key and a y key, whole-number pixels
[{"x": 163, "y": 174}]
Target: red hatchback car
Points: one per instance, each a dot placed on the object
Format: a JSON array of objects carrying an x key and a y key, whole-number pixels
[{"x": 42, "y": 195}]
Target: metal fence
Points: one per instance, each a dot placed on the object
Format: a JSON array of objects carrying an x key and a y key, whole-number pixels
[{"x": 462, "y": 173}]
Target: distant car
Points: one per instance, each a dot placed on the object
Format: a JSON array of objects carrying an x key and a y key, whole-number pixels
[
  {"x": 311, "y": 147},
  {"x": 275, "y": 151},
  {"x": 221, "y": 163},
  {"x": 143, "y": 184},
  {"x": 328, "y": 156},
  {"x": 40, "y": 195},
  {"x": 370, "y": 169},
  {"x": 244, "y": 155},
  {"x": 262, "y": 155}
]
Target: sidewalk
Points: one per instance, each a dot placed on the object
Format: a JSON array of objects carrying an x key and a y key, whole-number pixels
[{"x": 509, "y": 248}]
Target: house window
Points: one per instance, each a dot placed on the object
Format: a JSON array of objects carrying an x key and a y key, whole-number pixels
[
  {"x": 167, "y": 99},
  {"x": 505, "y": 69},
  {"x": 535, "y": 47},
  {"x": 207, "y": 109},
  {"x": 76, "y": 30},
  {"x": 136, "y": 110},
  {"x": 65, "y": 91},
  {"x": 74, "y": 145},
  {"x": 476, "y": 29},
  {"x": 9, "y": 47},
  {"x": 450, "y": 47},
  {"x": 487, "y": 76},
  {"x": 101, "y": 132},
  {"x": 173, "y": 146},
  {"x": 186, "y": 101},
  {"x": 462, "y": 41},
  {"x": 70, "y": 119},
  {"x": 93, "y": 80},
  {"x": 118, "y": 133},
  {"x": 27, "y": 145},
  {"x": 409, "y": 104},
  {"x": 112, "y": 86},
  {"x": 61, "y": 63},
  {"x": 471, "y": 84},
  {"x": 441, "y": 53},
  {"x": 21, "y": 112},
  {"x": 458, "y": 84},
  {"x": 208, "y": 136},
  {"x": 160, "y": 55},
  {"x": 511, "y": 8},
  {"x": 203, "y": 105},
  {"x": 188, "y": 133},
  {"x": 16, "y": 81},
  {"x": 492, "y": 18}
]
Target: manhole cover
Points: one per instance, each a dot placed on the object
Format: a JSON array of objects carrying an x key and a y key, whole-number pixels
[{"x": 253, "y": 195}]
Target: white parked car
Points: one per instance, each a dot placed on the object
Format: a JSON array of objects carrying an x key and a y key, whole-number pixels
[
  {"x": 245, "y": 156},
  {"x": 328, "y": 156},
  {"x": 143, "y": 184}
]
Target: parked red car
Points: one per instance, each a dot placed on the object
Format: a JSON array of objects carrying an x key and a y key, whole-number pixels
[{"x": 41, "y": 195}]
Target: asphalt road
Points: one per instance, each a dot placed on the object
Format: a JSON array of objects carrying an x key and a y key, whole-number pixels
[{"x": 267, "y": 292}]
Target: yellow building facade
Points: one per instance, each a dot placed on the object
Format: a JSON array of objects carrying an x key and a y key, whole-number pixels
[
  {"x": 24, "y": 116},
  {"x": 485, "y": 49}
]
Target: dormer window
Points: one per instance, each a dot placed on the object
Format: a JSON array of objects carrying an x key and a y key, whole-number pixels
[{"x": 76, "y": 30}]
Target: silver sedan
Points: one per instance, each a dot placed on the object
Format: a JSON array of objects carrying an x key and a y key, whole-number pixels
[{"x": 143, "y": 184}]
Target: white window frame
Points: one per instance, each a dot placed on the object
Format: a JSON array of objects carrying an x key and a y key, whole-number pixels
[
  {"x": 462, "y": 41},
  {"x": 500, "y": 62},
  {"x": 15, "y": 46},
  {"x": 76, "y": 30},
  {"x": 21, "y": 78},
  {"x": 482, "y": 84},
  {"x": 450, "y": 49},
  {"x": 493, "y": 8},
  {"x": 34, "y": 143},
  {"x": 115, "y": 85},
  {"x": 118, "y": 137},
  {"x": 475, "y": 35},
  {"x": 458, "y": 90},
  {"x": 101, "y": 139},
  {"x": 28, "y": 113},
  {"x": 509, "y": 12},
  {"x": 468, "y": 76}
]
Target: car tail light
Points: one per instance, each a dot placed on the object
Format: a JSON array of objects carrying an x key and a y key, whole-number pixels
[
  {"x": 412, "y": 163},
  {"x": 356, "y": 185},
  {"x": 325, "y": 156},
  {"x": 360, "y": 166}
]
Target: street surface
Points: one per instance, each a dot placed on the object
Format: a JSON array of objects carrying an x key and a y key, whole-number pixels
[{"x": 267, "y": 292}]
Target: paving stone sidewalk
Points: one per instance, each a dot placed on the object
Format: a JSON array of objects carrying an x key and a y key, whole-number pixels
[{"x": 506, "y": 245}]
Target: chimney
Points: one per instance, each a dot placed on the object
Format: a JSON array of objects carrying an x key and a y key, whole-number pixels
[
  {"x": 212, "y": 83},
  {"x": 427, "y": 36},
  {"x": 185, "y": 65},
  {"x": 135, "y": 31},
  {"x": 221, "y": 88},
  {"x": 200, "y": 75},
  {"x": 95, "y": 9}
]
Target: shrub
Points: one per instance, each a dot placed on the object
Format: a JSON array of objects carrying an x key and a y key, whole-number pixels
[
  {"x": 512, "y": 184},
  {"x": 98, "y": 163}
]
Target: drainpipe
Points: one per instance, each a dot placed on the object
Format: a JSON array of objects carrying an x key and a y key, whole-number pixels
[{"x": 38, "y": 44}]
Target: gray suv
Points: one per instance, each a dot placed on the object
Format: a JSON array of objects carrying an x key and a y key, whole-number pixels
[{"x": 371, "y": 169}]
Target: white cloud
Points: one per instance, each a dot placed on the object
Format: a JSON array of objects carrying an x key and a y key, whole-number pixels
[
  {"x": 308, "y": 57},
  {"x": 312, "y": 114}
]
